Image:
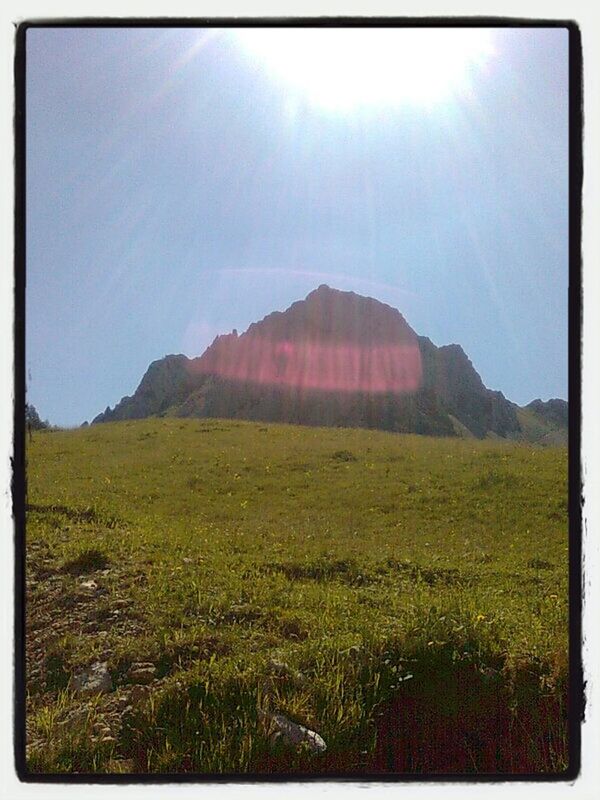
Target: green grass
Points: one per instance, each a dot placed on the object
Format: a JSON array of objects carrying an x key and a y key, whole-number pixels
[
  {"x": 537, "y": 429},
  {"x": 362, "y": 559}
]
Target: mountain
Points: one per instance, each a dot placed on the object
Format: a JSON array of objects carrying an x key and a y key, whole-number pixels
[
  {"x": 545, "y": 422},
  {"x": 167, "y": 382},
  {"x": 337, "y": 359}
]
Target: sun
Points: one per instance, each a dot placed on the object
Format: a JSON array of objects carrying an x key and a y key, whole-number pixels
[{"x": 340, "y": 69}]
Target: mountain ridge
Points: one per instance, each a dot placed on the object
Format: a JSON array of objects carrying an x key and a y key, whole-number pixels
[{"x": 338, "y": 359}]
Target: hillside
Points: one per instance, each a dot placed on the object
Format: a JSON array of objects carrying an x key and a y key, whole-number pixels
[
  {"x": 545, "y": 423},
  {"x": 217, "y": 569},
  {"x": 336, "y": 359}
]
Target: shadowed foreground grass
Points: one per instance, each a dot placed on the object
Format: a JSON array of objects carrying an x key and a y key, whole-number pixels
[{"x": 403, "y": 582}]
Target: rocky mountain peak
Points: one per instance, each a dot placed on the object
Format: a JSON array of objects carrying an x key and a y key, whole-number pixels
[
  {"x": 334, "y": 358},
  {"x": 554, "y": 411}
]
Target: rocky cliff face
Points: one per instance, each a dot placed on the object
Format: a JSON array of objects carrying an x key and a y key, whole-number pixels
[
  {"x": 555, "y": 412},
  {"x": 451, "y": 376},
  {"x": 167, "y": 381},
  {"x": 336, "y": 359}
]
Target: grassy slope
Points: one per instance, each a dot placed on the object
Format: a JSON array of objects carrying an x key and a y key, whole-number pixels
[
  {"x": 344, "y": 553},
  {"x": 537, "y": 429}
]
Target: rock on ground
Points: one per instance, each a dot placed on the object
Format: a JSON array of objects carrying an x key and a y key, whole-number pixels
[
  {"x": 93, "y": 680},
  {"x": 141, "y": 673},
  {"x": 291, "y": 733}
]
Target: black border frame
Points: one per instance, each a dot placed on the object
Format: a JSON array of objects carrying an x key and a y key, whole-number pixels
[{"x": 575, "y": 300}]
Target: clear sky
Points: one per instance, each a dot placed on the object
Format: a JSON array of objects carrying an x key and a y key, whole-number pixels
[{"x": 185, "y": 182}]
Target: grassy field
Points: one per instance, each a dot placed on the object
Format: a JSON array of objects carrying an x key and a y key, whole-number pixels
[{"x": 403, "y": 596}]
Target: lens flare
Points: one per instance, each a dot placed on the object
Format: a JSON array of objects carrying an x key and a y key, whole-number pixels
[
  {"x": 331, "y": 342},
  {"x": 315, "y": 365}
]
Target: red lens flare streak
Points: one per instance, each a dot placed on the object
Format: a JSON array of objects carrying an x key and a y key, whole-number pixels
[{"x": 315, "y": 365}]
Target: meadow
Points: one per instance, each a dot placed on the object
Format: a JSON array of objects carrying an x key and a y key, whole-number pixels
[{"x": 405, "y": 597}]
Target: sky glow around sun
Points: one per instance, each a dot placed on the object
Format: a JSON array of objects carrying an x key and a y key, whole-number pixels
[{"x": 341, "y": 69}]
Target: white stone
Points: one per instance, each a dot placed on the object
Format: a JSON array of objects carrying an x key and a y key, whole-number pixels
[
  {"x": 291, "y": 733},
  {"x": 93, "y": 680}
]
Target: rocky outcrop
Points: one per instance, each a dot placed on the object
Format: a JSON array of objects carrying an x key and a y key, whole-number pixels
[
  {"x": 554, "y": 412},
  {"x": 167, "y": 381},
  {"x": 335, "y": 359},
  {"x": 544, "y": 422},
  {"x": 451, "y": 376}
]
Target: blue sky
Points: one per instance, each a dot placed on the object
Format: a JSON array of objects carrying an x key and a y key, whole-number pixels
[{"x": 179, "y": 185}]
